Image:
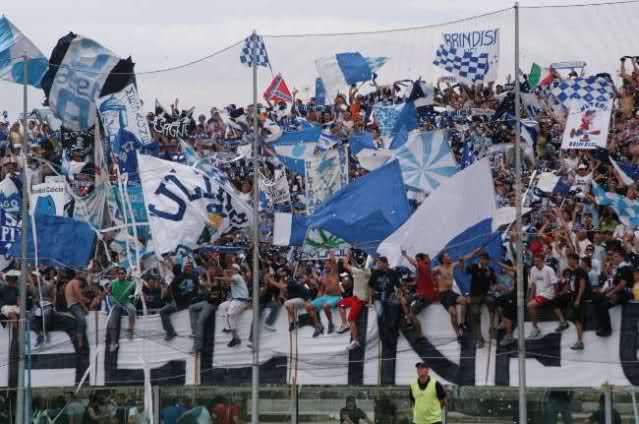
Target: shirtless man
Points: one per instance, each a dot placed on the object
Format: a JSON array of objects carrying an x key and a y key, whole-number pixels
[
  {"x": 78, "y": 305},
  {"x": 443, "y": 274},
  {"x": 329, "y": 295}
]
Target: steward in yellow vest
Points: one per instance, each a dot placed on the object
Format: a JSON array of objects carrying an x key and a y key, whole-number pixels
[{"x": 427, "y": 396}]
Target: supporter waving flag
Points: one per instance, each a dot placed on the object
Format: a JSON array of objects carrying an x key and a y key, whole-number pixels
[{"x": 342, "y": 70}]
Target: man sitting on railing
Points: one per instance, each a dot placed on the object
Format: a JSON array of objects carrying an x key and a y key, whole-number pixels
[
  {"x": 121, "y": 290},
  {"x": 182, "y": 293}
]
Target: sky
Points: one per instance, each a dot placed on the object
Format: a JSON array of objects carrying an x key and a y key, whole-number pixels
[{"x": 160, "y": 34}]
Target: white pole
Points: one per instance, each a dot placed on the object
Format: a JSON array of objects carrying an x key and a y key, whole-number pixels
[
  {"x": 22, "y": 299},
  {"x": 255, "y": 415},
  {"x": 521, "y": 340}
]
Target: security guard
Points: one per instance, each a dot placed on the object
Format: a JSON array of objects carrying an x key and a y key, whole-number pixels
[{"x": 427, "y": 396}]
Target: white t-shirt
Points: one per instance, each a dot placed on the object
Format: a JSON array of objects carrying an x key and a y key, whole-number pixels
[
  {"x": 544, "y": 280},
  {"x": 361, "y": 278}
]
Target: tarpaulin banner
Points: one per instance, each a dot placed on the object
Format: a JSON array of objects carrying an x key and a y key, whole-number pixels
[{"x": 326, "y": 172}]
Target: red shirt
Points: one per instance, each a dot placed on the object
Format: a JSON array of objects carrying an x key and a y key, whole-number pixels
[
  {"x": 226, "y": 413},
  {"x": 424, "y": 286}
]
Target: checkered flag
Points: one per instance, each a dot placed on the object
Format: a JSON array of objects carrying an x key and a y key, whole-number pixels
[
  {"x": 588, "y": 89},
  {"x": 254, "y": 47},
  {"x": 467, "y": 65}
]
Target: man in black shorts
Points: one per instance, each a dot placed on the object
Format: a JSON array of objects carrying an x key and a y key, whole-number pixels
[{"x": 448, "y": 298}]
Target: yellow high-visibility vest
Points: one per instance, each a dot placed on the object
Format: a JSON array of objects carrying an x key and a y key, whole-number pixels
[{"x": 427, "y": 409}]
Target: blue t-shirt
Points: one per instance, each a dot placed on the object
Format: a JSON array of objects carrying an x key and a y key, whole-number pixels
[{"x": 170, "y": 414}]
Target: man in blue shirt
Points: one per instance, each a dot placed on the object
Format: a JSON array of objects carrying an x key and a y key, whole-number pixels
[{"x": 171, "y": 413}]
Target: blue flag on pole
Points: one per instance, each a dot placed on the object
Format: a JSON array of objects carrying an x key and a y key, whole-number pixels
[
  {"x": 354, "y": 213},
  {"x": 13, "y": 47},
  {"x": 61, "y": 242}
]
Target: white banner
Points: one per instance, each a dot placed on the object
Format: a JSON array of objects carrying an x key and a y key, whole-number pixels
[
  {"x": 47, "y": 199},
  {"x": 470, "y": 56},
  {"x": 320, "y": 244},
  {"x": 187, "y": 207},
  {"x": 326, "y": 172},
  {"x": 325, "y": 360},
  {"x": 587, "y": 125},
  {"x": 277, "y": 189}
]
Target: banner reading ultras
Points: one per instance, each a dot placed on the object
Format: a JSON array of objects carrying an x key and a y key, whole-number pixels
[
  {"x": 587, "y": 125},
  {"x": 470, "y": 56}
]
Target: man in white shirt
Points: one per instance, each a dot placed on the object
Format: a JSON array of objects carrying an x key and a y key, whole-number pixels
[
  {"x": 239, "y": 301},
  {"x": 542, "y": 284},
  {"x": 356, "y": 303}
]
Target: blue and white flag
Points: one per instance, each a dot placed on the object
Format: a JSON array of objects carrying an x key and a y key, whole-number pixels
[
  {"x": 390, "y": 119},
  {"x": 586, "y": 89},
  {"x": 426, "y": 160},
  {"x": 529, "y": 131},
  {"x": 627, "y": 210},
  {"x": 549, "y": 183},
  {"x": 341, "y": 70},
  {"x": 186, "y": 207},
  {"x": 291, "y": 147},
  {"x": 254, "y": 47},
  {"x": 361, "y": 140},
  {"x": 468, "y": 155},
  {"x": 459, "y": 204},
  {"x": 10, "y": 194},
  {"x": 469, "y": 56},
  {"x": 355, "y": 213},
  {"x": 628, "y": 171},
  {"x": 76, "y": 78},
  {"x": 14, "y": 45},
  {"x": 326, "y": 172},
  {"x": 10, "y": 228},
  {"x": 465, "y": 65}
]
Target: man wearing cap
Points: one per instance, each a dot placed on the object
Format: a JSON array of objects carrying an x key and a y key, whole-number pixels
[
  {"x": 239, "y": 301},
  {"x": 427, "y": 397}
]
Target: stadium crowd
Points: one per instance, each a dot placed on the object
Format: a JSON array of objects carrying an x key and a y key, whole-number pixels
[{"x": 576, "y": 252}]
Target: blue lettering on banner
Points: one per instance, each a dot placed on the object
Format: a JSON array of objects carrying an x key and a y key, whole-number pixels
[{"x": 472, "y": 39}]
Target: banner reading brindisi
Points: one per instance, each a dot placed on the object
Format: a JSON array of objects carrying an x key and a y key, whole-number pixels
[
  {"x": 469, "y": 56},
  {"x": 587, "y": 125}
]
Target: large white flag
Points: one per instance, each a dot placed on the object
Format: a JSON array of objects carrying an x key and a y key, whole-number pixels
[
  {"x": 187, "y": 207},
  {"x": 459, "y": 203}
]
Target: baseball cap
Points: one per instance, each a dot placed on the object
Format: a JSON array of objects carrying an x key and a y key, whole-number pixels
[
  {"x": 236, "y": 266},
  {"x": 421, "y": 365},
  {"x": 582, "y": 166}
]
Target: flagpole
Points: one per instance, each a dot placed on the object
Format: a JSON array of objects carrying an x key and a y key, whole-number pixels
[
  {"x": 22, "y": 299},
  {"x": 256, "y": 250},
  {"x": 521, "y": 340}
]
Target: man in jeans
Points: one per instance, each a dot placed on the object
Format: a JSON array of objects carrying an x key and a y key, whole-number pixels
[
  {"x": 121, "y": 291},
  {"x": 199, "y": 312},
  {"x": 425, "y": 290},
  {"x": 78, "y": 305},
  {"x": 182, "y": 292}
]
